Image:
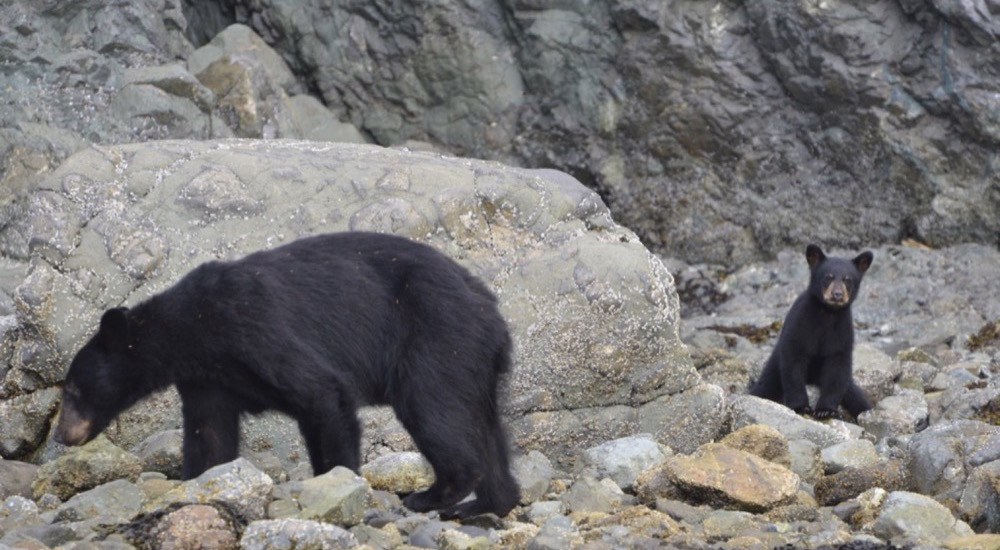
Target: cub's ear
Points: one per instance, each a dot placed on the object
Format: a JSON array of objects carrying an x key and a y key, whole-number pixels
[
  {"x": 863, "y": 261},
  {"x": 814, "y": 255},
  {"x": 113, "y": 334}
]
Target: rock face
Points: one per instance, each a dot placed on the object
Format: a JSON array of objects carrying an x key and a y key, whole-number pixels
[
  {"x": 593, "y": 313},
  {"x": 871, "y": 121}
]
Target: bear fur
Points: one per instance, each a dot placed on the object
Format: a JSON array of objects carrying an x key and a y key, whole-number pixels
[
  {"x": 817, "y": 341},
  {"x": 315, "y": 329}
]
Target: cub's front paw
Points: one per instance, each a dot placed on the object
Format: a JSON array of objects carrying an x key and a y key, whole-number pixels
[
  {"x": 805, "y": 410},
  {"x": 823, "y": 414}
]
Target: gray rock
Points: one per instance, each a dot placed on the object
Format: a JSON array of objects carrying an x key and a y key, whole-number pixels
[
  {"x": 980, "y": 502},
  {"x": 195, "y": 526},
  {"x": 745, "y": 410},
  {"x": 23, "y": 422},
  {"x": 339, "y": 496},
  {"x": 533, "y": 473},
  {"x": 16, "y": 478},
  {"x": 623, "y": 459},
  {"x": 295, "y": 533},
  {"x": 540, "y": 512},
  {"x": 82, "y": 468},
  {"x": 593, "y": 312},
  {"x": 939, "y": 456},
  {"x": 162, "y": 452},
  {"x": 405, "y": 472},
  {"x": 237, "y": 484},
  {"x": 856, "y": 453},
  {"x": 590, "y": 495},
  {"x": 911, "y": 518},
  {"x": 874, "y": 371},
  {"x": 806, "y": 460},
  {"x": 686, "y": 420},
  {"x": 558, "y": 533},
  {"x": 896, "y": 415},
  {"x": 114, "y": 502}
]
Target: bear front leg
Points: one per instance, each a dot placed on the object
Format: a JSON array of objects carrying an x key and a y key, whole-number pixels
[
  {"x": 211, "y": 428},
  {"x": 834, "y": 382},
  {"x": 793, "y": 368}
]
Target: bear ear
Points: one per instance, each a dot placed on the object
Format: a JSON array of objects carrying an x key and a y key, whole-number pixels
[
  {"x": 814, "y": 255},
  {"x": 113, "y": 334},
  {"x": 863, "y": 261}
]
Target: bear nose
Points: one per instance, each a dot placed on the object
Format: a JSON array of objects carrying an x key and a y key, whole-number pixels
[{"x": 838, "y": 295}]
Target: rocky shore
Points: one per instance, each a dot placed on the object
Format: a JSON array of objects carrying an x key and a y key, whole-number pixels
[
  {"x": 139, "y": 139},
  {"x": 919, "y": 471}
]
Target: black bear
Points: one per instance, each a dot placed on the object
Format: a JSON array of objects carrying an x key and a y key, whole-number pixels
[
  {"x": 314, "y": 329},
  {"x": 817, "y": 341}
]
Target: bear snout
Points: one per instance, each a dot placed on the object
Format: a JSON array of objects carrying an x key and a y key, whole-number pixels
[{"x": 72, "y": 428}]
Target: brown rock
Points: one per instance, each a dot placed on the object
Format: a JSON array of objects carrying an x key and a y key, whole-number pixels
[
  {"x": 723, "y": 476},
  {"x": 851, "y": 482},
  {"x": 761, "y": 440}
]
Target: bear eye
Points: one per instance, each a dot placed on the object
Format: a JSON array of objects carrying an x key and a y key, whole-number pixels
[
  {"x": 829, "y": 276},
  {"x": 848, "y": 280}
]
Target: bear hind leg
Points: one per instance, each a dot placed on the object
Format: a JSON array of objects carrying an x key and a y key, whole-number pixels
[
  {"x": 332, "y": 434},
  {"x": 442, "y": 431},
  {"x": 497, "y": 491},
  {"x": 211, "y": 428}
]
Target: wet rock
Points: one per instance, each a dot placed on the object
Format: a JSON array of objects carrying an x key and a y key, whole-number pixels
[
  {"x": 724, "y": 476},
  {"x": 339, "y": 496},
  {"x": 911, "y": 518},
  {"x": 623, "y": 459},
  {"x": 533, "y": 473},
  {"x": 295, "y": 533},
  {"x": 237, "y": 484},
  {"x": 405, "y": 472},
  {"x": 85, "y": 467}
]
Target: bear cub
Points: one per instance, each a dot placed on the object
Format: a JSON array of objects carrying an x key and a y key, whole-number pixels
[
  {"x": 817, "y": 341},
  {"x": 314, "y": 329}
]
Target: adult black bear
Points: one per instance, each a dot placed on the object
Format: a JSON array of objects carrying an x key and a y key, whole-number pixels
[
  {"x": 817, "y": 341},
  {"x": 314, "y": 329}
]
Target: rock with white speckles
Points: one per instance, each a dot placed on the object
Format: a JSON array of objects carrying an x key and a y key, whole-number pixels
[{"x": 594, "y": 314}]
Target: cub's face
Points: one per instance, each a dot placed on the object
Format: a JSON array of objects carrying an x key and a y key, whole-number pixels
[
  {"x": 96, "y": 389},
  {"x": 835, "y": 281}
]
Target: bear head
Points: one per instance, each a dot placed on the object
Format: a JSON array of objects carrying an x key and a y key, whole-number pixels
[
  {"x": 99, "y": 383},
  {"x": 835, "y": 281}
]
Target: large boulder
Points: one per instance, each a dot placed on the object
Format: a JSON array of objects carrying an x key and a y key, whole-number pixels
[
  {"x": 593, "y": 313},
  {"x": 745, "y": 127}
]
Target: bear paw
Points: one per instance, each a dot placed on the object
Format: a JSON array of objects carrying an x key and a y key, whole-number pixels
[{"x": 823, "y": 414}]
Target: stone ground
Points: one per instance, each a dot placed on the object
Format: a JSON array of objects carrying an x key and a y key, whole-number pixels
[{"x": 922, "y": 470}]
